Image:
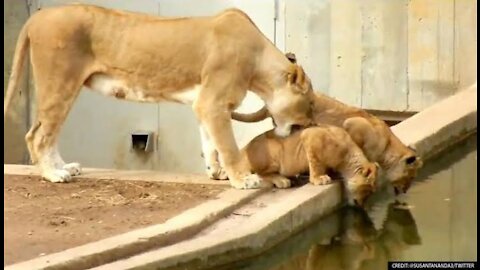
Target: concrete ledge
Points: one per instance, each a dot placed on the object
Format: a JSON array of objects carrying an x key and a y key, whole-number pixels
[
  {"x": 235, "y": 239},
  {"x": 441, "y": 125},
  {"x": 173, "y": 230},
  {"x": 133, "y": 175}
]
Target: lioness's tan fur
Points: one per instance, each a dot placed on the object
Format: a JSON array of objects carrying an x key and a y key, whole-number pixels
[
  {"x": 208, "y": 62},
  {"x": 316, "y": 150}
]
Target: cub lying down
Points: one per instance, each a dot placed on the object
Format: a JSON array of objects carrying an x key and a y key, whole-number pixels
[{"x": 317, "y": 150}]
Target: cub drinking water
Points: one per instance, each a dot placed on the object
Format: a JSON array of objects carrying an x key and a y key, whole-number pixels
[{"x": 317, "y": 150}]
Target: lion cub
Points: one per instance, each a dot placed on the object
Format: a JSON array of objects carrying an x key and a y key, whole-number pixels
[{"x": 316, "y": 150}]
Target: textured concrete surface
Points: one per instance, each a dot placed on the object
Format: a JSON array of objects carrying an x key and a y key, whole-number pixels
[
  {"x": 246, "y": 233},
  {"x": 173, "y": 230}
]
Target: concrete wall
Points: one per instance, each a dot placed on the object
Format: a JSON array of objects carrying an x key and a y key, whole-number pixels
[
  {"x": 385, "y": 55},
  {"x": 401, "y": 55},
  {"x": 15, "y": 13}
]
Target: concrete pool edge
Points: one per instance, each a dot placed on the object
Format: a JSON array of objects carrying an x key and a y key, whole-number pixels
[
  {"x": 425, "y": 131},
  {"x": 127, "y": 244},
  {"x": 430, "y": 134},
  {"x": 263, "y": 230}
]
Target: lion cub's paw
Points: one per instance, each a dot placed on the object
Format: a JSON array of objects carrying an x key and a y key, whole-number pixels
[
  {"x": 321, "y": 180},
  {"x": 73, "y": 169},
  {"x": 57, "y": 176},
  {"x": 251, "y": 181},
  {"x": 281, "y": 182}
]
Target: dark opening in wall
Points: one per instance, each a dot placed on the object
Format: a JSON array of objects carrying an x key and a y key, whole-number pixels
[{"x": 390, "y": 117}]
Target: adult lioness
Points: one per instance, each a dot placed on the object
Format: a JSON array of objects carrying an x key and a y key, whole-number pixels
[
  {"x": 372, "y": 134},
  {"x": 316, "y": 150},
  {"x": 208, "y": 62}
]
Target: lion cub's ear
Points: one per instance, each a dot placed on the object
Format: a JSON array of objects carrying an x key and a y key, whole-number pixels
[
  {"x": 413, "y": 161},
  {"x": 296, "y": 77},
  {"x": 370, "y": 171}
]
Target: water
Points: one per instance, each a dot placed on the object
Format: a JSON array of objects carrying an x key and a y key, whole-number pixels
[{"x": 436, "y": 220}]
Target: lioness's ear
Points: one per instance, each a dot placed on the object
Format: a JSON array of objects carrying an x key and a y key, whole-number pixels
[
  {"x": 292, "y": 74},
  {"x": 291, "y": 57},
  {"x": 296, "y": 76}
]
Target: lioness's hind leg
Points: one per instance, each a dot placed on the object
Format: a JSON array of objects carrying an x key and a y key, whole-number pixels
[
  {"x": 29, "y": 140},
  {"x": 45, "y": 153},
  {"x": 54, "y": 100},
  {"x": 73, "y": 168}
]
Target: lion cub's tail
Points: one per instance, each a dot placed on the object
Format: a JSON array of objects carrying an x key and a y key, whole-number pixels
[{"x": 17, "y": 67}]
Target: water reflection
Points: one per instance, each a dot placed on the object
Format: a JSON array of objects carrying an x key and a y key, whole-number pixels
[
  {"x": 346, "y": 239},
  {"x": 359, "y": 245}
]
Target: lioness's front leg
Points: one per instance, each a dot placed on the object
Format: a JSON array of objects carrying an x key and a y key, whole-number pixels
[
  {"x": 210, "y": 155},
  {"x": 216, "y": 121}
]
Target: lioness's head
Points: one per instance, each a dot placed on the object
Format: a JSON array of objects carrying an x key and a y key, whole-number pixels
[
  {"x": 362, "y": 184},
  {"x": 402, "y": 165},
  {"x": 292, "y": 104}
]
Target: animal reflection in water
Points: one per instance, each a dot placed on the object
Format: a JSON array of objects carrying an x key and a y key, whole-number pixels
[{"x": 359, "y": 245}]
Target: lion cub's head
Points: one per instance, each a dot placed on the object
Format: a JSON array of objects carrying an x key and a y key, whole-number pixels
[
  {"x": 401, "y": 166},
  {"x": 399, "y": 162},
  {"x": 362, "y": 184}
]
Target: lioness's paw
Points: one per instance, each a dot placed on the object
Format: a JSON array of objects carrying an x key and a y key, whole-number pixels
[
  {"x": 57, "y": 176},
  {"x": 216, "y": 173},
  {"x": 250, "y": 181},
  {"x": 321, "y": 180},
  {"x": 281, "y": 182},
  {"x": 73, "y": 169}
]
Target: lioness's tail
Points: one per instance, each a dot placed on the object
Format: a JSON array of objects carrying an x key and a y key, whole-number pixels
[
  {"x": 251, "y": 117},
  {"x": 17, "y": 67}
]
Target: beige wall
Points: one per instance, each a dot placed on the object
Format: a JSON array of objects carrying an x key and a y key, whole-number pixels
[
  {"x": 15, "y": 13},
  {"x": 401, "y": 55}
]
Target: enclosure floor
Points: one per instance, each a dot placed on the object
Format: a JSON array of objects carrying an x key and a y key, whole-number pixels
[
  {"x": 42, "y": 218},
  {"x": 130, "y": 175}
]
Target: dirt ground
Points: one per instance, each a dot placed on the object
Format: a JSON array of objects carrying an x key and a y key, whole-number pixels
[{"x": 42, "y": 218}]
